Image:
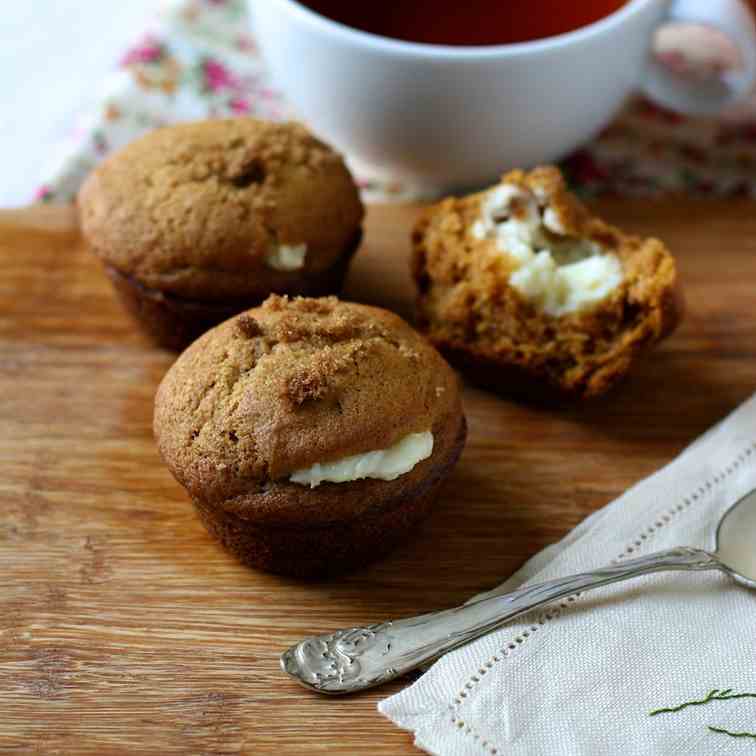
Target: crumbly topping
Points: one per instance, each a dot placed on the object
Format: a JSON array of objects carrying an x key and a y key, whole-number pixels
[
  {"x": 247, "y": 326},
  {"x": 281, "y": 303},
  {"x": 333, "y": 324},
  {"x": 317, "y": 378}
]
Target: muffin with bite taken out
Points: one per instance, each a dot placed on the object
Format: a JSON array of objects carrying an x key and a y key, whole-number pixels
[
  {"x": 312, "y": 435},
  {"x": 531, "y": 295}
]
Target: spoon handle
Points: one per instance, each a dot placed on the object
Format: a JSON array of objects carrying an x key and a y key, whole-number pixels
[{"x": 361, "y": 657}]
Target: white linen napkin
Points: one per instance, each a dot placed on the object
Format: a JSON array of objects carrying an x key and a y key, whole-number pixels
[{"x": 582, "y": 676}]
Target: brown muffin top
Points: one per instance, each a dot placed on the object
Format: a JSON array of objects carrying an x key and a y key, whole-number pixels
[
  {"x": 292, "y": 383},
  {"x": 194, "y": 209}
]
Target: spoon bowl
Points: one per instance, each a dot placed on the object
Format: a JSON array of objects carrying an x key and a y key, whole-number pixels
[{"x": 735, "y": 540}]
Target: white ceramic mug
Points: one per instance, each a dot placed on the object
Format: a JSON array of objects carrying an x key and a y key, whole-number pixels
[{"x": 439, "y": 117}]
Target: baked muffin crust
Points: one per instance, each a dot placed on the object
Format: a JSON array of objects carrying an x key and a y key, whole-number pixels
[
  {"x": 206, "y": 210},
  {"x": 293, "y": 383},
  {"x": 470, "y": 309}
]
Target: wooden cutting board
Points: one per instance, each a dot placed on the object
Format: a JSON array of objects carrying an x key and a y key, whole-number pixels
[{"x": 125, "y": 629}]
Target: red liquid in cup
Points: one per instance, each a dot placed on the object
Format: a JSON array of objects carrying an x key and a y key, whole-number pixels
[{"x": 466, "y": 22}]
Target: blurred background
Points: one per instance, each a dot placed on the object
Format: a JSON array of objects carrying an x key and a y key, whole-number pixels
[
  {"x": 60, "y": 96},
  {"x": 53, "y": 57}
]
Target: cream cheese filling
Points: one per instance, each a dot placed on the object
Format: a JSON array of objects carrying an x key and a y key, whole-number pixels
[
  {"x": 287, "y": 257},
  {"x": 558, "y": 273},
  {"x": 384, "y": 464}
]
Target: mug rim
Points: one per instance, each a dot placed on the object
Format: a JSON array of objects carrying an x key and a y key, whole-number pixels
[{"x": 383, "y": 44}]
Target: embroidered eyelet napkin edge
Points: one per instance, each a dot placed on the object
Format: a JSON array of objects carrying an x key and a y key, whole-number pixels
[{"x": 584, "y": 675}]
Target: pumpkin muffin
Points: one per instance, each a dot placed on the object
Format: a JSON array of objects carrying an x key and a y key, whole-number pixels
[
  {"x": 312, "y": 435},
  {"x": 529, "y": 294},
  {"x": 199, "y": 221}
]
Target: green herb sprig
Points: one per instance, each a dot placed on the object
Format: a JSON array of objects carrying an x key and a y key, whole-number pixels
[
  {"x": 713, "y": 695},
  {"x": 722, "y": 731}
]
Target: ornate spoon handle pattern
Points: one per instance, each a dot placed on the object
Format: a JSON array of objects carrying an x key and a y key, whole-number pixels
[{"x": 361, "y": 657}]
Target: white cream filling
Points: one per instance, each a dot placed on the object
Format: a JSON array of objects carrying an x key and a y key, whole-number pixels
[
  {"x": 568, "y": 288},
  {"x": 287, "y": 257},
  {"x": 559, "y": 276},
  {"x": 385, "y": 464}
]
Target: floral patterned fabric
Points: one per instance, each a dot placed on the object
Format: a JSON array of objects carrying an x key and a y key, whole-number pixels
[{"x": 200, "y": 61}]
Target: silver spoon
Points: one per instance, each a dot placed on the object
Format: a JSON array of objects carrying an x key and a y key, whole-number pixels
[{"x": 361, "y": 657}]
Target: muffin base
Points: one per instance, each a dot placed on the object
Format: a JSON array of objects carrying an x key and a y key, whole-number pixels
[
  {"x": 324, "y": 550},
  {"x": 530, "y": 383},
  {"x": 175, "y": 322}
]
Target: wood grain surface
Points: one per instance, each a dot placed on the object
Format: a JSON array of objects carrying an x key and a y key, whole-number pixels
[{"x": 125, "y": 629}]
